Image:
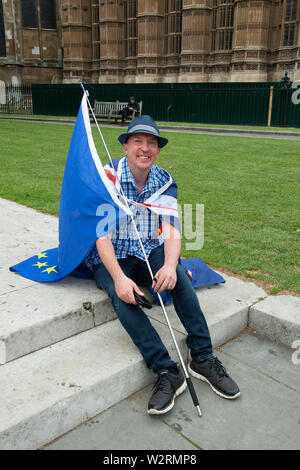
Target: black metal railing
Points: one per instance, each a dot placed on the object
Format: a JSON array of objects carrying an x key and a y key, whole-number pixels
[{"x": 16, "y": 99}]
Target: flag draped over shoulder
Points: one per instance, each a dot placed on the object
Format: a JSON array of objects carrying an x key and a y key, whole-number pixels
[
  {"x": 90, "y": 207},
  {"x": 164, "y": 203}
]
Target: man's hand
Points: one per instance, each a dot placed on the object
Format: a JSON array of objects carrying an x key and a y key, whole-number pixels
[
  {"x": 124, "y": 287},
  {"x": 166, "y": 278}
]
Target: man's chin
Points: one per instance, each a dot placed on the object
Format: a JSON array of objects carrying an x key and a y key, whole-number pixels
[{"x": 144, "y": 163}]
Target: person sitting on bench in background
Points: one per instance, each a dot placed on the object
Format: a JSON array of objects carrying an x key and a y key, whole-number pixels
[{"x": 130, "y": 108}]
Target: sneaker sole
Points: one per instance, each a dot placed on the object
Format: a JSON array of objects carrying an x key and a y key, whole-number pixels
[
  {"x": 204, "y": 379},
  {"x": 178, "y": 392}
]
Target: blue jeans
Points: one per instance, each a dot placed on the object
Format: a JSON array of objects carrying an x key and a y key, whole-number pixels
[{"x": 136, "y": 322}]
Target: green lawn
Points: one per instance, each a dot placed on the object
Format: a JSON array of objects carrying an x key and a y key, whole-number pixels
[{"x": 250, "y": 189}]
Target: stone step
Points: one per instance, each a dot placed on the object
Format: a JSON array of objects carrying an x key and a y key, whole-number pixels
[
  {"x": 49, "y": 392},
  {"x": 43, "y": 314},
  {"x": 278, "y": 318}
]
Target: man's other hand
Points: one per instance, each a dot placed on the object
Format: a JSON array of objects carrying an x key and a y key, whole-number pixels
[
  {"x": 166, "y": 279},
  {"x": 124, "y": 287}
]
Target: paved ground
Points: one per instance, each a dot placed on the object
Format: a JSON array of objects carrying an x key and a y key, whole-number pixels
[
  {"x": 265, "y": 416},
  {"x": 190, "y": 130}
]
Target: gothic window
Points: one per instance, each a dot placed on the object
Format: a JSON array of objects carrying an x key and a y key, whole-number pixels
[
  {"x": 225, "y": 40},
  {"x": 130, "y": 32},
  {"x": 214, "y": 25},
  {"x": 48, "y": 14},
  {"x": 290, "y": 17},
  {"x": 29, "y": 14},
  {"x": 222, "y": 24},
  {"x": 2, "y": 33},
  {"x": 173, "y": 26},
  {"x": 291, "y": 10},
  {"x": 47, "y": 18}
]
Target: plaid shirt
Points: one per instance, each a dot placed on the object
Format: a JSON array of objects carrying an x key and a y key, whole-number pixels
[{"x": 124, "y": 239}]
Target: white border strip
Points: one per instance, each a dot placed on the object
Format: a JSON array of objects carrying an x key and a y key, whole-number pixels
[{"x": 111, "y": 189}]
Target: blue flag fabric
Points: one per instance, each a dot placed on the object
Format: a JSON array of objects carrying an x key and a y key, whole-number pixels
[
  {"x": 200, "y": 274},
  {"x": 89, "y": 208}
]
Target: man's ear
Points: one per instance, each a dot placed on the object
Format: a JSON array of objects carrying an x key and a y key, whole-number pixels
[
  {"x": 158, "y": 152},
  {"x": 125, "y": 148}
]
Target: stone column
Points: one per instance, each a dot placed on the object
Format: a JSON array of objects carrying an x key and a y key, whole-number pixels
[
  {"x": 150, "y": 41},
  {"x": 195, "y": 49},
  {"x": 250, "y": 41},
  {"x": 111, "y": 41},
  {"x": 76, "y": 40}
]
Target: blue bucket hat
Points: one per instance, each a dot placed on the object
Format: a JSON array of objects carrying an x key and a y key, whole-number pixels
[{"x": 145, "y": 125}]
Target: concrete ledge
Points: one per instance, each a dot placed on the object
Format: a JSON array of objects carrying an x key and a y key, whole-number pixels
[
  {"x": 277, "y": 317},
  {"x": 43, "y": 314},
  {"x": 50, "y": 391}
]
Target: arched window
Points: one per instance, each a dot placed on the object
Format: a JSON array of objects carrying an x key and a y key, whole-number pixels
[
  {"x": 29, "y": 13},
  {"x": 131, "y": 34},
  {"x": 290, "y": 25},
  {"x": 47, "y": 14},
  {"x": 173, "y": 26},
  {"x": 222, "y": 24}
]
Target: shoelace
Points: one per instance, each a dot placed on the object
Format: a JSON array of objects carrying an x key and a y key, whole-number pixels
[
  {"x": 161, "y": 382},
  {"x": 219, "y": 367}
]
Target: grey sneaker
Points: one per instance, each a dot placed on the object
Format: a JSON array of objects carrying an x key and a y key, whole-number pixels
[
  {"x": 214, "y": 373},
  {"x": 167, "y": 387}
]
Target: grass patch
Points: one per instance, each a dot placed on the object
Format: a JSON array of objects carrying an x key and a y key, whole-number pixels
[
  {"x": 250, "y": 189},
  {"x": 228, "y": 126}
]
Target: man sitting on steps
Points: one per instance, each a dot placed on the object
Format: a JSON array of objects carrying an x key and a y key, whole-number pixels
[{"x": 118, "y": 265}]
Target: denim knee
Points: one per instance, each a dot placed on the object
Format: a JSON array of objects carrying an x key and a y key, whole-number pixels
[{"x": 182, "y": 276}]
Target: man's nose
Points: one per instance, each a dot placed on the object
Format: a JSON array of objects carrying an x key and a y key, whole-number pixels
[{"x": 145, "y": 146}]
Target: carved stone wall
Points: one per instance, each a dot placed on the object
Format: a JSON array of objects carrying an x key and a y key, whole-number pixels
[
  {"x": 76, "y": 40},
  {"x": 33, "y": 54},
  {"x": 136, "y": 41}
]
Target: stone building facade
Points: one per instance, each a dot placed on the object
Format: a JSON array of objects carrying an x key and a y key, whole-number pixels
[
  {"x": 30, "y": 41},
  {"x": 150, "y": 41}
]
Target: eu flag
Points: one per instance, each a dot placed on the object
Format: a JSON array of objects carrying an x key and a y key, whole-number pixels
[{"x": 90, "y": 207}]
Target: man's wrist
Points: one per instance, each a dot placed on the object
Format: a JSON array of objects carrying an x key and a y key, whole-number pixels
[
  {"x": 117, "y": 275},
  {"x": 171, "y": 264}
]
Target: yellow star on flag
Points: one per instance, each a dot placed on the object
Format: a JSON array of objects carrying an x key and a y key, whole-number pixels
[
  {"x": 49, "y": 270},
  {"x": 40, "y": 265},
  {"x": 42, "y": 255}
]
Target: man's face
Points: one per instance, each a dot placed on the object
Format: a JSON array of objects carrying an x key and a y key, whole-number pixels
[
  {"x": 132, "y": 100},
  {"x": 142, "y": 150}
]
